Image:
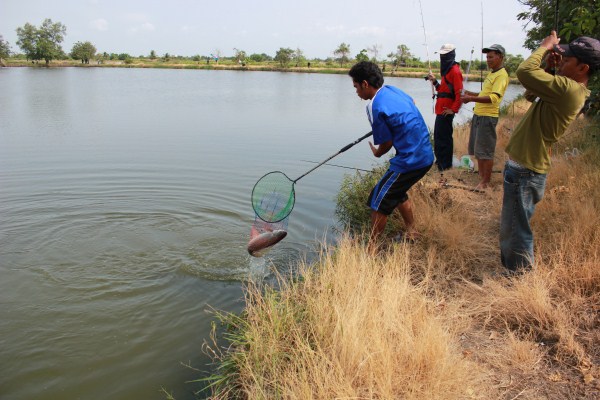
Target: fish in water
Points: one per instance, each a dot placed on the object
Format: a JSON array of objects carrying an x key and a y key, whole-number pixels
[{"x": 260, "y": 243}]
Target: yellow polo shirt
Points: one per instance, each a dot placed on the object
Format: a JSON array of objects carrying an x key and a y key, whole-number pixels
[{"x": 494, "y": 85}]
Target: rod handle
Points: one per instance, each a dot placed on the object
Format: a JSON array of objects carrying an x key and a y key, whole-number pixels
[{"x": 360, "y": 139}]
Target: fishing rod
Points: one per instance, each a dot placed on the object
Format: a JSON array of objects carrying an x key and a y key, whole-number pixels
[
  {"x": 468, "y": 189},
  {"x": 468, "y": 71},
  {"x": 556, "y": 17},
  {"x": 444, "y": 184},
  {"x": 428, "y": 61},
  {"x": 481, "y": 59},
  {"x": 555, "y": 29}
]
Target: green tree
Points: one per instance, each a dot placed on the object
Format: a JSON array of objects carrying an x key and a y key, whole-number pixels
[
  {"x": 240, "y": 56},
  {"x": 298, "y": 57},
  {"x": 511, "y": 62},
  {"x": 4, "y": 48},
  {"x": 152, "y": 55},
  {"x": 400, "y": 56},
  {"x": 362, "y": 56},
  {"x": 260, "y": 57},
  {"x": 83, "y": 51},
  {"x": 42, "y": 43},
  {"x": 102, "y": 57},
  {"x": 374, "y": 51},
  {"x": 284, "y": 56},
  {"x": 27, "y": 41},
  {"x": 342, "y": 53},
  {"x": 575, "y": 18}
]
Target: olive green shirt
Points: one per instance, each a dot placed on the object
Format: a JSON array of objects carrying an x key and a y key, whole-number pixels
[{"x": 559, "y": 101}]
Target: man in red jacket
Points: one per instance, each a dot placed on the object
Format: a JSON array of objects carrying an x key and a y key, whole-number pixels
[{"x": 447, "y": 104}]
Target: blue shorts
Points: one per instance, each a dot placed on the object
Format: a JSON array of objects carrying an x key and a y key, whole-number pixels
[{"x": 391, "y": 189}]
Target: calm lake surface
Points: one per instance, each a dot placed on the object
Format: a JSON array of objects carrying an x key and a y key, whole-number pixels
[{"x": 125, "y": 213}]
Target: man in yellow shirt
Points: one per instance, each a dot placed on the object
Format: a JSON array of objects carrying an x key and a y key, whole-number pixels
[
  {"x": 482, "y": 140},
  {"x": 560, "y": 98}
]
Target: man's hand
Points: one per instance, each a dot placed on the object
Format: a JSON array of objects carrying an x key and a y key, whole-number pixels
[
  {"x": 381, "y": 149},
  {"x": 447, "y": 111},
  {"x": 431, "y": 77},
  {"x": 373, "y": 149},
  {"x": 550, "y": 41},
  {"x": 530, "y": 97},
  {"x": 552, "y": 60},
  {"x": 466, "y": 99}
]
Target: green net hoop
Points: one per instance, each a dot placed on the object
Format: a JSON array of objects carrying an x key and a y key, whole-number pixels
[{"x": 273, "y": 197}]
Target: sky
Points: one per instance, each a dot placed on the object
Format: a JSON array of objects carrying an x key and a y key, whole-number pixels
[{"x": 317, "y": 27}]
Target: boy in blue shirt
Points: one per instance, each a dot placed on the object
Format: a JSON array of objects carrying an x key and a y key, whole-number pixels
[{"x": 397, "y": 123}]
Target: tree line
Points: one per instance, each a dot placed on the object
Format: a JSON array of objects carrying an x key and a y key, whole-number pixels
[
  {"x": 43, "y": 43},
  {"x": 575, "y": 18}
]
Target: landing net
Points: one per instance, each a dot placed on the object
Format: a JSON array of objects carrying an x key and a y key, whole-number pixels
[{"x": 273, "y": 197}]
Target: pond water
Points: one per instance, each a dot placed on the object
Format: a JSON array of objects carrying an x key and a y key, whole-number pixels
[{"x": 125, "y": 213}]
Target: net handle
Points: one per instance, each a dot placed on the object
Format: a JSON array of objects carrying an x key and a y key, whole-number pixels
[{"x": 343, "y": 149}]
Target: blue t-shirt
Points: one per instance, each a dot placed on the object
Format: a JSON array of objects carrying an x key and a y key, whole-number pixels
[{"x": 397, "y": 118}]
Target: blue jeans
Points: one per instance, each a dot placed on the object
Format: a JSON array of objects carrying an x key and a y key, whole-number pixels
[{"x": 523, "y": 189}]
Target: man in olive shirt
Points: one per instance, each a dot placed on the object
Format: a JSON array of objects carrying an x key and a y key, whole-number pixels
[
  {"x": 560, "y": 98},
  {"x": 482, "y": 140}
]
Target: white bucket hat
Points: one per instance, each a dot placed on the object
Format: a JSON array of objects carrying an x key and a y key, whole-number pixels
[{"x": 447, "y": 48}]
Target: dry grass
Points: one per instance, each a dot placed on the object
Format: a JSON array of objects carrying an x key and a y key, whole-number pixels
[{"x": 431, "y": 320}]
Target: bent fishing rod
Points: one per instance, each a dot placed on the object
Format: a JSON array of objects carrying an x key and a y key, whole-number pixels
[{"x": 428, "y": 61}]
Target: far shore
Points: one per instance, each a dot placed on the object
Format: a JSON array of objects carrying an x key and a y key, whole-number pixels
[{"x": 402, "y": 72}]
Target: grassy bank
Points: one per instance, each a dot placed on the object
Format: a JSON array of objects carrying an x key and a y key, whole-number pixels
[{"x": 432, "y": 320}]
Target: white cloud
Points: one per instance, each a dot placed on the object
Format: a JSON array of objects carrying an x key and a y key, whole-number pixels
[
  {"x": 368, "y": 31},
  {"x": 336, "y": 28},
  {"x": 135, "y": 17},
  {"x": 145, "y": 27},
  {"x": 99, "y": 24}
]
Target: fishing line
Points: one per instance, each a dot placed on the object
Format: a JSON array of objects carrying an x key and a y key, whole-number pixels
[{"x": 336, "y": 165}]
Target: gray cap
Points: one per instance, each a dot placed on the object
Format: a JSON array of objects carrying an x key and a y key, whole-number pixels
[{"x": 495, "y": 47}]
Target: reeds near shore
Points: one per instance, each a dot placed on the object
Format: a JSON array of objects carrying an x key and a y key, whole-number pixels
[{"x": 435, "y": 319}]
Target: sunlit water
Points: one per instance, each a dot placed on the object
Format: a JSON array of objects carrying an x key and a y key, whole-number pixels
[{"x": 125, "y": 213}]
